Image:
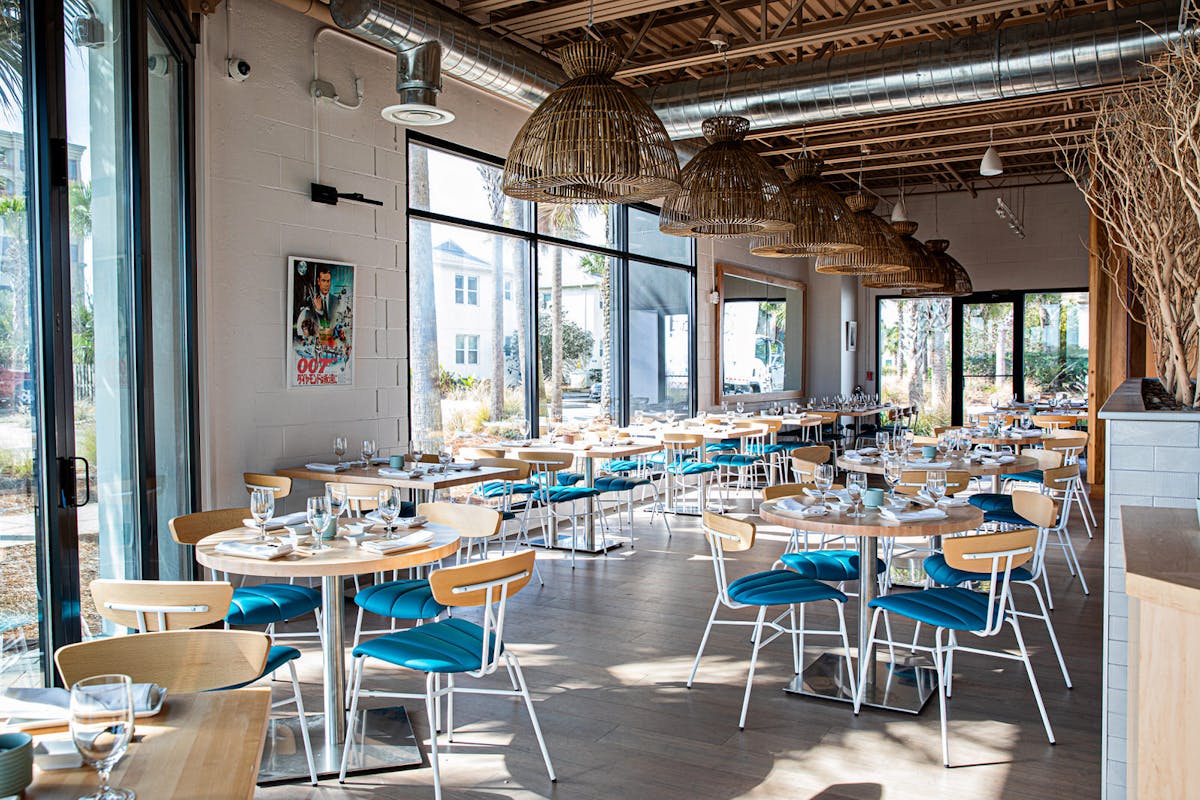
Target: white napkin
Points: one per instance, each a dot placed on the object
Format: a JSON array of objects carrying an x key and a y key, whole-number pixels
[
  {"x": 794, "y": 506},
  {"x": 463, "y": 465},
  {"x": 398, "y": 522},
  {"x": 388, "y": 472},
  {"x": 275, "y": 523},
  {"x": 30, "y": 703},
  {"x": 927, "y": 464},
  {"x": 993, "y": 460},
  {"x": 385, "y": 546},
  {"x": 945, "y": 502},
  {"x": 868, "y": 451},
  {"x": 924, "y": 515},
  {"x": 263, "y": 551},
  {"x": 318, "y": 466}
]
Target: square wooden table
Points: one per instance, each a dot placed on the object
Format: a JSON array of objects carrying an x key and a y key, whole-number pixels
[{"x": 424, "y": 485}]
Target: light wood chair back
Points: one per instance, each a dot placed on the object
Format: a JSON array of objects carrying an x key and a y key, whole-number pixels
[
  {"x": 1054, "y": 422},
  {"x": 792, "y": 490},
  {"x": 181, "y": 661},
  {"x": 478, "y": 453},
  {"x": 1069, "y": 443},
  {"x": 281, "y": 486},
  {"x": 191, "y": 528},
  {"x": 827, "y": 417},
  {"x": 548, "y": 461},
  {"x": 465, "y": 585},
  {"x": 913, "y": 480},
  {"x": 728, "y": 534},
  {"x": 678, "y": 443},
  {"x": 147, "y": 606},
  {"x": 938, "y": 430},
  {"x": 1046, "y": 459},
  {"x": 956, "y": 549},
  {"x": 814, "y": 454},
  {"x": 469, "y": 521},
  {"x": 360, "y": 497},
  {"x": 1036, "y": 507},
  {"x": 523, "y": 468},
  {"x": 1060, "y": 478}
]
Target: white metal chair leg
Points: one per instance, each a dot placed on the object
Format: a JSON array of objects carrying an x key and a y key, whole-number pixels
[
  {"x": 450, "y": 707},
  {"x": 1062, "y": 664},
  {"x": 431, "y": 705},
  {"x": 308, "y": 753},
  {"x": 762, "y": 612},
  {"x": 865, "y": 659},
  {"x": 841, "y": 609},
  {"x": 537, "y": 728},
  {"x": 358, "y": 671},
  {"x": 1037, "y": 693},
  {"x": 703, "y": 641},
  {"x": 941, "y": 681}
]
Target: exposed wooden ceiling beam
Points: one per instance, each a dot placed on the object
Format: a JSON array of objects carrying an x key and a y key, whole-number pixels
[
  {"x": 867, "y": 24},
  {"x": 853, "y": 170},
  {"x": 734, "y": 21},
  {"x": 641, "y": 34},
  {"x": 797, "y": 9},
  {"x": 943, "y": 147},
  {"x": 958, "y": 177},
  {"x": 551, "y": 19}
]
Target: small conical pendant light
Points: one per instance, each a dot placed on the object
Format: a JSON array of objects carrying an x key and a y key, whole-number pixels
[
  {"x": 991, "y": 165},
  {"x": 900, "y": 210}
]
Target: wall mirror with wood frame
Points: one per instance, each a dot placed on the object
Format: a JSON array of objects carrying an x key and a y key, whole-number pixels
[{"x": 760, "y": 333}]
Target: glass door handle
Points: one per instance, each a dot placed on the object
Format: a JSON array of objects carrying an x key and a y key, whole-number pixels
[{"x": 69, "y": 481}]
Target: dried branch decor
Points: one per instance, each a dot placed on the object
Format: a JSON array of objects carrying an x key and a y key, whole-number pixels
[
  {"x": 1140, "y": 174},
  {"x": 592, "y": 140},
  {"x": 922, "y": 271},
  {"x": 882, "y": 251},
  {"x": 823, "y": 223},
  {"x": 727, "y": 189}
]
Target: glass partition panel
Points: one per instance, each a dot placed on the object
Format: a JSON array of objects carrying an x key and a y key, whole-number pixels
[
  {"x": 575, "y": 335},
  {"x": 660, "y": 339},
  {"x": 915, "y": 362},
  {"x": 987, "y": 355},
  {"x": 1056, "y": 346}
]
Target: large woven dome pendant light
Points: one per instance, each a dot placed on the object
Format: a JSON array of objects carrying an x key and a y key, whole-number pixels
[
  {"x": 592, "y": 140},
  {"x": 727, "y": 189},
  {"x": 922, "y": 272},
  {"x": 823, "y": 222},
  {"x": 882, "y": 251},
  {"x": 956, "y": 281}
]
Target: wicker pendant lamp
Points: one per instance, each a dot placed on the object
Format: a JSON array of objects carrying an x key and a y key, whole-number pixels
[
  {"x": 882, "y": 251},
  {"x": 922, "y": 272},
  {"x": 592, "y": 140},
  {"x": 824, "y": 224},
  {"x": 727, "y": 189},
  {"x": 956, "y": 282}
]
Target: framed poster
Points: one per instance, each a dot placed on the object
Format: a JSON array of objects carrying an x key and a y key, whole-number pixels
[
  {"x": 851, "y": 336},
  {"x": 320, "y": 349}
]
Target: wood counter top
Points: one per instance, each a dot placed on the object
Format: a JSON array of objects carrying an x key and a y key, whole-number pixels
[{"x": 1162, "y": 556}]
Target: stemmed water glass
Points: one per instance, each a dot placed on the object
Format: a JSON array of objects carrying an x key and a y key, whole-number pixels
[
  {"x": 262, "y": 507},
  {"x": 368, "y": 450},
  {"x": 337, "y": 498},
  {"x": 101, "y": 727},
  {"x": 670, "y": 416},
  {"x": 823, "y": 478},
  {"x": 935, "y": 485},
  {"x": 893, "y": 473},
  {"x": 339, "y": 447},
  {"x": 388, "y": 505},
  {"x": 445, "y": 456},
  {"x": 741, "y": 408},
  {"x": 318, "y": 519},
  {"x": 415, "y": 451},
  {"x": 883, "y": 440},
  {"x": 856, "y": 485}
]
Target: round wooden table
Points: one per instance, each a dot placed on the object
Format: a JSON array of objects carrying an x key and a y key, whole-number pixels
[
  {"x": 868, "y": 530},
  {"x": 1011, "y": 441},
  {"x": 343, "y": 558},
  {"x": 975, "y": 468}
]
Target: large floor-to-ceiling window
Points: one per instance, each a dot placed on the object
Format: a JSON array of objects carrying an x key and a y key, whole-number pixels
[
  {"x": 96, "y": 325},
  {"x": 525, "y": 317}
]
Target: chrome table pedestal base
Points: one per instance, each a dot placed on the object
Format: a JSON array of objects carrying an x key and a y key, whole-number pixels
[
  {"x": 382, "y": 741},
  {"x": 904, "y": 686}
]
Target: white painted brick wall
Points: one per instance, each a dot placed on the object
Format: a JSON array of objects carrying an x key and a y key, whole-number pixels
[{"x": 1149, "y": 463}]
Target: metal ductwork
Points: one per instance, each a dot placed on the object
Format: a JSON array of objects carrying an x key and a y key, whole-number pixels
[
  {"x": 418, "y": 82},
  {"x": 1072, "y": 53},
  {"x": 468, "y": 54}
]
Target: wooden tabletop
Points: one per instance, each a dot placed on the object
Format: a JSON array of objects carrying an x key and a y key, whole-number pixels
[
  {"x": 975, "y": 468},
  {"x": 839, "y": 522},
  {"x": 983, "y": 438},
  {"x": 343, "y": 557},
  {"x": 426, "y": 480},
  {"x": 200, "y": 747}
]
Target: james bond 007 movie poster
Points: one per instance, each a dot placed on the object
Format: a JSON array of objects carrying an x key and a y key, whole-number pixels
[{"x": 321, "y": 329}]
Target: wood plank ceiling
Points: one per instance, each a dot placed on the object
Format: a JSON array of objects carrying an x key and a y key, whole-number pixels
[{"x": 664, "y": 41}]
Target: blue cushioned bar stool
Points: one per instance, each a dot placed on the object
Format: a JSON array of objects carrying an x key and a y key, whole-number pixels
[
  {"x": 954, "y": 610},
  {"x": 512, "y": 498},
  {"x": 268, "y": 604},
  {"x": 682, "y": 466},
  {"x": 153, "y": 606},
  {"x": 453, "y": 647},
  {"x": 745, "y": 470},
  {"x": 763, "y": 590},
  {"x": 625, "y": 487},
  {"x": 556, "y": 490}
]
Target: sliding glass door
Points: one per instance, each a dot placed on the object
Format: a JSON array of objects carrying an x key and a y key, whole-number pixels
[{"x": 987, "y": 355}]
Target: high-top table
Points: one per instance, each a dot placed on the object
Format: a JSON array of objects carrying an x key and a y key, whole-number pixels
[
  {"x": 425, "y": 485},
  {"x": 888, "y": 685},
  {"x": 391, "y": 742}
]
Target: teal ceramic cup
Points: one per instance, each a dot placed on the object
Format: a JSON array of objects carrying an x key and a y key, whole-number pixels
[
  {"x": 16, "y": 763},
  {"x": 929, "y": 452},
  {"x": 396, "y": 462},
  {"x": 873, "y": 498}
]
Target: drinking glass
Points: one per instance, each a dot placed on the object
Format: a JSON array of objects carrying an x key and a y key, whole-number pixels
[
  {"x": 388, "y": 504},
  {"x": 368, "y": 450},
  {"x": 318, "y": 519},
  {"x": 101, "y": 727},
  {"x": 415, "y": 450},
  {"x": 823, "y": 478},
  {"x": 856, "y": 485},
  {"x": 943, "y": 445},
  {"x": 893, "y": 473},
  {"x": 670, "y": 416},
  {"x": 935, "y": 485},
  {"x": 262, "y": 508},
  {"x": 552, "y": 434},
  {"x": 883, "y": 440},
  {"x": 639, "y": 417},
  {"x": 337, "y": 498},
  {"x": 339, "y": 447},
  {"x": 741, "y": 408},
  {"x": 445, "y": 456},
  {"x": 523, "y": 429}
]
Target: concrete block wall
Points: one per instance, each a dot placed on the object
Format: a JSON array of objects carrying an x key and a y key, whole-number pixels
[{"x": 1151, "y": 462}]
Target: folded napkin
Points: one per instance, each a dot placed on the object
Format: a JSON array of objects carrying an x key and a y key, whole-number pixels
[
  {"x": 945, "y": 502},
  {"x": 318, "y": 466},
  {"x": 49, "y": 704},
  {"x": 398, "y": 522},
  {"x": 381, "y": 460},
  {"x": 462, "y": 465},
  {"x": 388, "y": 472},
  {"x": 993, "y": 460},
  {"x": 385, "y": 546},
  {"x": 263, "y": 551},
  {"x": 275, "y": 523},
  {"x": 924, "y": 515},
  {"x": 859, "y": 457},
  {"x": 868, "y": 451},
  {"x": 921, "y": 464}
]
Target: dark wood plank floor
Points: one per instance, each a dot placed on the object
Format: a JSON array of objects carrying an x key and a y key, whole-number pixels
[{"x": 606, "y": 650}]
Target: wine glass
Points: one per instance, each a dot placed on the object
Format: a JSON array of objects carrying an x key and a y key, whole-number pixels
[
  {"x": 523, "y": 429},
  {"x": 337, "y": 498},
  {"x": 883, "y": 440},
  {"x": 893, "y": 473},
  {"x": 318, "y": 520},
  {"x": 741, "y": 408},
  {"x": 445, "y": 456},
  {"x": 552, "y": 434},
  {"x": 823, "y": 478},
  {"x": 856, "y": 485},
  {"x": 368, "y": 450},
  {"x": 670, "y": 416},
  {"x": 935, "y": 485},
  {"x": 339, "y": 447},
  {"x": 262, "y": 507},
  {"x": 942, "y": 445},
  {"x": 639, "y": 417},
  {"x": 101, "y": 727},
  {"x": 415, "y": 450},
  {"x": 388, "y": 504}
]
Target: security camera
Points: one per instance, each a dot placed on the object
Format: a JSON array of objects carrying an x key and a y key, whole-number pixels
[
  {"x": 238, "y": 69},
  {"x": 158, "y": 65}
]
